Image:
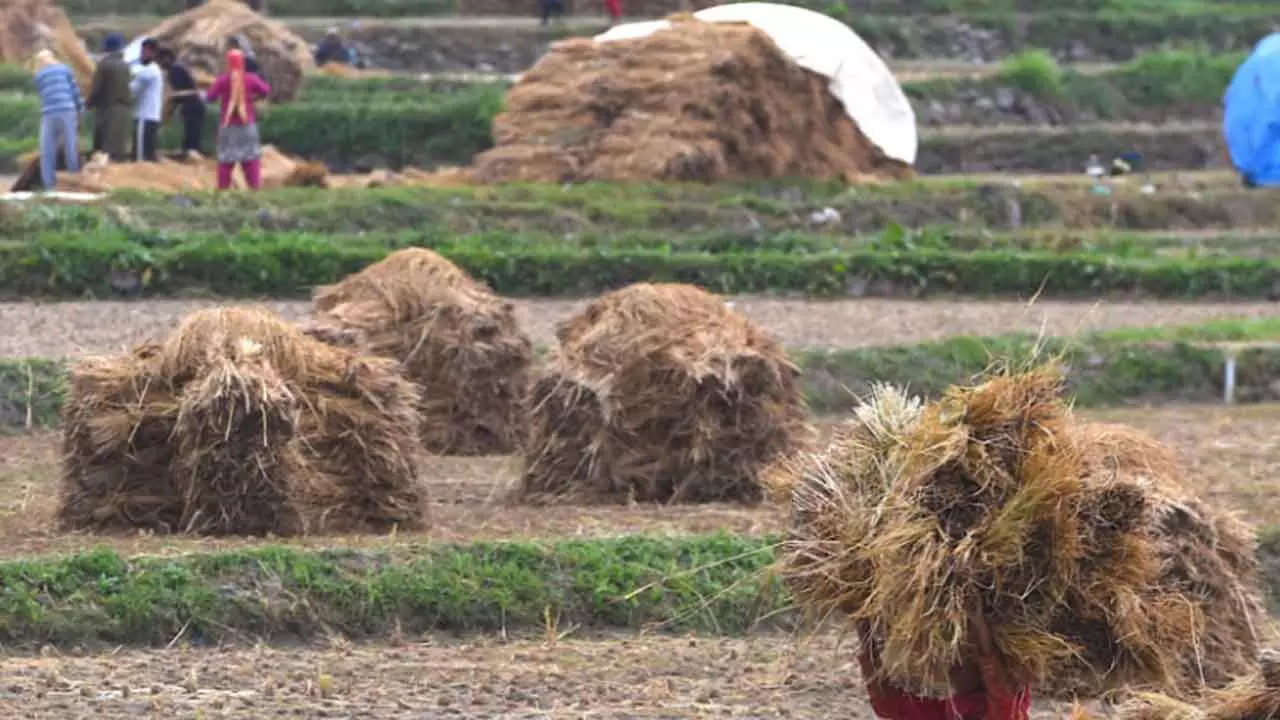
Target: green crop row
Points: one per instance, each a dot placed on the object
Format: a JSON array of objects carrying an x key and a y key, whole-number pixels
[
  {"x": 1104, "y": 369},
  {"x": 286, "y": 264},
  {"x": 760, "y": 215},
  {"x": 713, "y": 584}
]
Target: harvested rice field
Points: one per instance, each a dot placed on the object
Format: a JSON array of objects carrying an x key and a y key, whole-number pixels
[
  {"x": 590, "y": 677},
  {"x": 1231, "y": 457},
  {"x": 67, "y": 329}
]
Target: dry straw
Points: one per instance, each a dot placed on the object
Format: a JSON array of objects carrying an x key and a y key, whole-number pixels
[
  {"x": 696, "y": 102},
  {"x": 240, "y": 424},
  {"x": 1093, "y": 568},
  {"x": 660, "y": 393},
  {"x": 199, "y": 36},
  {"x": 1256, "y": 697},
  {"x": 458, "y": 340},
  {"x": 29, "y": 26}
]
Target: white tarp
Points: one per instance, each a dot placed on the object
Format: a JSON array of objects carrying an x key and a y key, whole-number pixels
[{"x": 859, "y": 78}]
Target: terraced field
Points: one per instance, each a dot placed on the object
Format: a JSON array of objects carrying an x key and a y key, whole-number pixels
[{"x": 1002, "y": 250}]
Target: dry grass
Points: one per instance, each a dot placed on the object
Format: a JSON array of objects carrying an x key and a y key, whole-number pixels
[
  {"x": 239, "y": 424},
  {"x": 1074, "y": 541},
  {"x": 462, "y": 492},
  {"x": 697, "y": 102},
  {"x": 659, "y": 393},
  {"x": 453, "y": 336}
]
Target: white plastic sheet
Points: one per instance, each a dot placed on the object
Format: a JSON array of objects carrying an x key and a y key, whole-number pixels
[{"x": 859, "y": 78}]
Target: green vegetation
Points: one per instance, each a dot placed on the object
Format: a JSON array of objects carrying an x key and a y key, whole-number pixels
[
  {"x": 288, "y": 264},
  {"x": 735, "y": 216},
  {"x": 716, "y": 584},
  {"x": 1109, "y": 368}
]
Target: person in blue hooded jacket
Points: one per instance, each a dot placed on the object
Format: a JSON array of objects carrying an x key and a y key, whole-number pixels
[{"x": 1251, "y": 115}]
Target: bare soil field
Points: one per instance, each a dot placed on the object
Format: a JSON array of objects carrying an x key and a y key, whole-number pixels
[
  {"x": 1231, "y": 456},
  {"x": 65, "y": 329},
  {"x": 597, "y": 677}
]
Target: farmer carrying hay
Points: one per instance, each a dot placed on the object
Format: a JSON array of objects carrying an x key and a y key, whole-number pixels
[
  {"x": 993, "y": 510},
  {"x": 239, "y": 424},
  {"x": 660, "y": 393},
  {"x": 456, "y": 339}
]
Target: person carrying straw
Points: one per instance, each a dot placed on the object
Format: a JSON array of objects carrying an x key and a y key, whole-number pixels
[
  {"x": 60, "y": 108},
  {"x": 238, "y": 140}
]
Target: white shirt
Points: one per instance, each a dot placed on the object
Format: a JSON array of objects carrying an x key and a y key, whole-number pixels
[{"x": 147, "y": 87}]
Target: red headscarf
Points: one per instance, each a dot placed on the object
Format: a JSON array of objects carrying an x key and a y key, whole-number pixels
[{"x": 237, "y": 97}]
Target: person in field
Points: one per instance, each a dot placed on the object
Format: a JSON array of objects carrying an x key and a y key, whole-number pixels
[
  {"x": 186, "y": 100},
  {"x": 60, "y": 108},
  {"x": 238, "y": 141},
  {"x": 111, "y": 101},
  {"x": 981, "y": 687}
]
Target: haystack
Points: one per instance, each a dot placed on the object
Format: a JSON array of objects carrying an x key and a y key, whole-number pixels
[
  {"x": 660, "y": 393},
  {"x": 29, "y": 26},
  {"x": 240, "y": 424},
  {"x": 1256, "y": 697},
  {"x": 1074, "y": 541},
  {"x": 181, "y": 175},
  {"x": 456, "y": 339},
  {"x": 697, "y": 102},
  {"x": 199, "y": 37}
]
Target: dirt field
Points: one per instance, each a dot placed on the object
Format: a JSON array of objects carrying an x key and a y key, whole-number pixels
[
  {"x": 72, "y": 328},
  {"x": 1232, "y": 460},
  {"x": 600, "y": 677}
]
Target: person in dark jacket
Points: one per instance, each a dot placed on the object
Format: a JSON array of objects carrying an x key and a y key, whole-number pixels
[
  {"x": 331, "y": 50},
  {"x": 185, "y": 97},
  {"x": 111, "y": 101}
]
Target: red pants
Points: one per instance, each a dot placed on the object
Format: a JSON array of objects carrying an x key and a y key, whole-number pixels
[
  {"x": 614, "y": 8},
  {"x": 252, "y": 174}
]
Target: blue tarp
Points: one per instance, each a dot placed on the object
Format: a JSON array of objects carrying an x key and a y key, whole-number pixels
[{"x": 1251, "y": 114}]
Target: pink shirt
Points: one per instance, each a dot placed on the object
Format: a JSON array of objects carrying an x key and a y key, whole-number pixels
[{"x": 255, "y": 89}]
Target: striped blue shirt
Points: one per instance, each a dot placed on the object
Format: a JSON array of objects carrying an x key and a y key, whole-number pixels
[{"x": 58, "y": 90}]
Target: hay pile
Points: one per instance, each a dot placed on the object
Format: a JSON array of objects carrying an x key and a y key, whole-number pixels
[
  {"x": 660, "y": 393},
  {"x": 1091, "y": 565},
  {"x": 698, "y": 102},
  {"x": 29, "y": 26},
  {"x": 1256, "y": 697},
  {"x": 458, "y": 340},
  {"x": 199, "y": 37},
  {"x": 240, "y": 424},
  {"x": 181, "y": 175}
]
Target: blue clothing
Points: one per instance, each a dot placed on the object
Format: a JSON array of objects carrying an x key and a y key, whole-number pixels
[
  {"x": 1251, "y": 115},
  {"x": 57, "y": 132},
  {"x": 58, "y": 90}
]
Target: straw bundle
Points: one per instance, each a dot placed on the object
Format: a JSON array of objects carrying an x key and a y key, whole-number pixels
[
  {"x": 1092, "y": 567},
  {"x": 660, "y": 393},
  {"x": 29, "y": 26},
  {"x": 697, "y": 102},
  {"x": 199, "y": 37},
  {"x": 456, "y": 339},
  {"x": 1256, "y": 697},
  {"x": 240, "y": 424},
  {"x": 183, "y": 175}
]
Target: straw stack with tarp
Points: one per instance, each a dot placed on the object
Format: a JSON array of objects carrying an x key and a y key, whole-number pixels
[
  {"x": 199, "y": 37},
  {"x": 1076, "y": 543},
  {"x": 239, "y": 424},
  {"x": 456, "y": 339},
  {"x": 29, "y": 26},
  {"x": 660, "y": 393},
  {"x": 738, "y": 94},
  {"x": 1256, "y": 697}
]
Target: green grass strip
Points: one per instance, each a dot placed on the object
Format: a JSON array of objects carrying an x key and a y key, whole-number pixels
[
  {"x": 284, "y": 265},
  {"x": 1105, "y": 369},
  {"x": 713, "y": 584}
]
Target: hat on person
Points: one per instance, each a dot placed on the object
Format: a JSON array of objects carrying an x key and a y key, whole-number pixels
[{"x": 113, "y": 42}]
